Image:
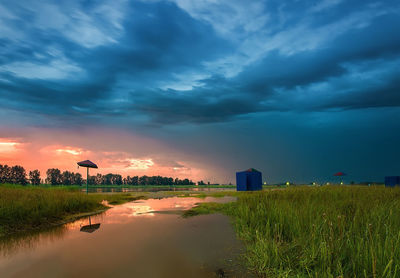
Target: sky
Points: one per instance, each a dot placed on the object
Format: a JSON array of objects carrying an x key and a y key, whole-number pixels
[{"x": 202, "y": 88}]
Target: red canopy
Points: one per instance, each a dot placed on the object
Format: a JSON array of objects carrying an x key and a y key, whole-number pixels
[
  {"x": 87, "y": 163},
  {"x": 339, "y": 174},
  {"x": 251, "y": 170}
]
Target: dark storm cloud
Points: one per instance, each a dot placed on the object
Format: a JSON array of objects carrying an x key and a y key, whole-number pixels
[
  {"x": 384, "y": 95},
  {"x": 158, "y": 40},
  {"x": 199, "y": 107},
  {"x": 132, "y": 61},
  {"x": 254, "y": 90}
]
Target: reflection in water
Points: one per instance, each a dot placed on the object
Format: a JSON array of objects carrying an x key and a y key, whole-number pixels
[
  {"x": 148, "y": 208},
  {"x": 28, "y": 241},
  {"x": 91, "y": 227},
  {"x": 130, "y": 243},
  {"x": 118, "y": 214},
  {"x": 76, "y": 225}
]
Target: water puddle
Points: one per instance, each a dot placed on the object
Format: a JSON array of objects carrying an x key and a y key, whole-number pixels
[{"x": 145, "y": 238}]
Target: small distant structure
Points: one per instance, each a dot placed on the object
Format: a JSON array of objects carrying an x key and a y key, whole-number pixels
[
  {"x": 249, "y": 180},
  {"x": 392, "y": 181},
  {"x": 88, "y": 164},
  {"x": 340, "y": 176}
]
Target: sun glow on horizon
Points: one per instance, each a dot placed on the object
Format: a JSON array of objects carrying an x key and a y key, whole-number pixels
[
  {"x": 70, "y": 151},
  {"x": 7, "y": 146},
  {"x": 39, "y": 152},
  {"x": 140, "y": 164}
]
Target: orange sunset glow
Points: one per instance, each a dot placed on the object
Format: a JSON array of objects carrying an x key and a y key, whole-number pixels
[
  {"x": 199, "y": 138},
  {"x": 137, "y": 156}
]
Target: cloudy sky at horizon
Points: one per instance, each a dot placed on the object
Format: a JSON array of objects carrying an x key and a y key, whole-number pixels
[{"x": 202, "y": 88}]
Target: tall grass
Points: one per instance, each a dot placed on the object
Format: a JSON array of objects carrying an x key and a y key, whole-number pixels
[
  {"x": 321, "y": 232},
  {"x": 23, "y": 208}
]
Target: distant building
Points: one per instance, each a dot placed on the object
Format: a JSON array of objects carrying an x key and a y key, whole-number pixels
[
  {"x": 249, "y": 180},
  {"x": 392, "y": 181}
]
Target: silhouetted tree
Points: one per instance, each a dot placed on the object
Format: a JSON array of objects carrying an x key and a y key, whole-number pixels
[
  {"x": 92, "y": 180},
  {"x": 99, "y": 179},
  {"x": 34, "y": 177},
  {"x": 54, "y": 176},
  {"x": 77, "y": 179},
  {"x": 18, "y": 175},
  {"x": 66, "y": 178},
  {"x": 143, "y": 180},
  {"x": 108, "y": 178},
  {"x": 116, "y": 179},
  {"x": 135, "y": 180},
  {"x": 5, "y": 174}
]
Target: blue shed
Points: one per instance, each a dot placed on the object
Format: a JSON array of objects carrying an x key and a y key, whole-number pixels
[
  {"x": 392, "y": 181},
  {"x": 249, "y": 180}
]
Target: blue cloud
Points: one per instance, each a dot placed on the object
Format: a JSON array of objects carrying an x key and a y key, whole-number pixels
[
  {"x": 169, "y": 63},
  {"x": 283, "y": 78}
]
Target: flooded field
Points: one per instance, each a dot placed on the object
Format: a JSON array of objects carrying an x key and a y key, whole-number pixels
[{"x": 145, "y": 238}]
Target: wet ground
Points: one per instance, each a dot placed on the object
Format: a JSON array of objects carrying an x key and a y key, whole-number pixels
[{"x": 137, "y": 239}]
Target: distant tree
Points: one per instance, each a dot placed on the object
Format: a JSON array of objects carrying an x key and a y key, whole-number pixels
[
  {"x": 132, "y": 180},
  {"x": 99, "y": 179},
  {"x": 67, "y": 178},
  {"x": 5, "y": 174},
  {"x": 34, "y": 177},
  {"x": 18, "y": 175},
  {"x": 116, "y": 179},
  {"x": 108, "y": 179},
  {"x": 143, "y": 180},
  {"x": 77, "y": 179},
  {"x": 54, "y": 176},
  {"x": 135, "y": 180},
  {"x": 92, "y": 180}
]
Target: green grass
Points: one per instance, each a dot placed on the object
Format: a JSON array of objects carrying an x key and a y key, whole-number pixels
[
  {"x": 204, "y": 208},
  {"x": 326, "y": 231},
  {"x": 120, "y": 198},
  {"x": 27, "y": 207}
]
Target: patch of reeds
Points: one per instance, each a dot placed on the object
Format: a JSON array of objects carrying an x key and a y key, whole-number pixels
[
  {"x": 330, "y": 231},
  {"x": 321, "y": 232},
  {"x": 29, "y": 207}
]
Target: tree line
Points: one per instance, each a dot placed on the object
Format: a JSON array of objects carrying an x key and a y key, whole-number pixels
[{"x": 18, "y": 175}]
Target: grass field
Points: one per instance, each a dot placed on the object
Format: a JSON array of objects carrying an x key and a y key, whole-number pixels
[
  {"x": 23, "y": 208},
  {"x": 328, "y": 231}
]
